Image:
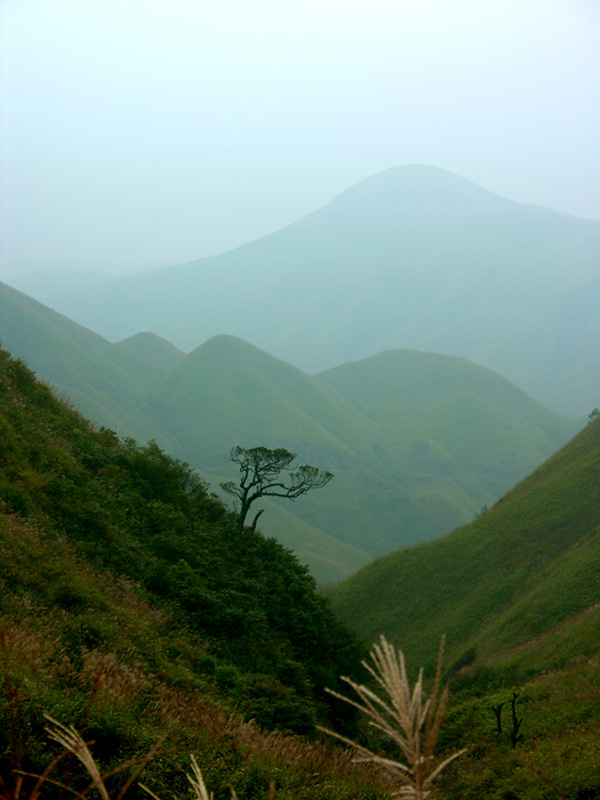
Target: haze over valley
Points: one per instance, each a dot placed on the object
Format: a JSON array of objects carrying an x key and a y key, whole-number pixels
[
  {"x": 300, "y": 374},
  {"x": 414, "y": 257},
  {"x": 419, "y": 443}
]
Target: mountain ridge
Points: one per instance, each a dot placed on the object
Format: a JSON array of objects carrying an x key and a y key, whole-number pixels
[
  {"x": 414, "y": 257},
  {"x": 402, "y": 475}
]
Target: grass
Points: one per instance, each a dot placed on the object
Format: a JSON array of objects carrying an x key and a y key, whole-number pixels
[
  {"x": 517, "y": 593},
  {"x": 560, "y": 709},
  {"x": 531, "y": 565},
  {"x": 403, "y": 714},
  {"x": 405, "y": 717},
  {"x": 128, "y": 608}
]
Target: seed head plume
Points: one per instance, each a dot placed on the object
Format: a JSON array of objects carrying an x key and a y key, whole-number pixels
[
  {"x": 406, "y": 716},
  {"x": 72, "y": 741}
]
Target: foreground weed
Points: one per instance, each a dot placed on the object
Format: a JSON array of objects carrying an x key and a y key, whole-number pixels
[
  {"x": 410, "y": 720},
  {"x": 197, "y": 782},
  {"x": 74, "y": 744}
]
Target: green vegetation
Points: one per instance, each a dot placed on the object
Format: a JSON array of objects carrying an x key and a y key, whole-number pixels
[
  {"x": 531, "y": 564},
  {"x": 418, "y": 442},
  {"x": 131, "y": 607},
  {"x": 518, "y": 596},
  {"x": 109, "y": 383},
  {"x": 260, "y": 470}
]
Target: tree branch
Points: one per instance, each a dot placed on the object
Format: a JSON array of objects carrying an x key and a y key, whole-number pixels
[{"x": 260, "y": 468}]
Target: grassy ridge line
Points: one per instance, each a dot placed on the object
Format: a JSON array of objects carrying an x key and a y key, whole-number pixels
[
  {"x": 418, "y": 443},
  {"x": 111, "y": 383},
  {"x": 111, "y": 526},
  {"x": 138, "y": 511},
  {"x": 108, "y": 382},
  {"x": 517, "y": 592},
  {"x": 510, "y": 575},
  {"x": 159, "y": 354},
  {"x": 229, "y": 388},
  {"x": 405, "y": 474}
]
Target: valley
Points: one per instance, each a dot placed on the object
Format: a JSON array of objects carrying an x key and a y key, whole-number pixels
[
  {"x": 127, "y": 590},
  {"x": 433, "y": 345},
  {"x": 418, "y": 443}
]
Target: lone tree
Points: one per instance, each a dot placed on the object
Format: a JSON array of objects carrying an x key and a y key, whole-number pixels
[{"x": 260, "y": 470}]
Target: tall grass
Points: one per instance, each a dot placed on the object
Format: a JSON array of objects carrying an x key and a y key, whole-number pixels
[{"x": 406, "y": 716}]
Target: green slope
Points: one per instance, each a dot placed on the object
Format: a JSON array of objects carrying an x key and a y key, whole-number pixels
[
  {"x": 157, "y": 353},
  {"x": 517, "y": 593},
  {"x": 413, "y": 257},
  {"x": 329, "y": 559},
  {"x": 229, "y": 390},
  {"x": 108, "y": 383},
  {"x": 133, "y": 609},
  {"x": 112, "y": 383},
  {"x": 418, "y": 443},
  {"x": 452, "y": 415},
  {"x": 509, "y": 577}
]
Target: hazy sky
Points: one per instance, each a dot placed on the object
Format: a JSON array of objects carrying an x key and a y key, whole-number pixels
[{"x": 142, "y": 134}]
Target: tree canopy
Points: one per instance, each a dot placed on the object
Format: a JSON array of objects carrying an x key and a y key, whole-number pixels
[{"x": 261, "y": 469}]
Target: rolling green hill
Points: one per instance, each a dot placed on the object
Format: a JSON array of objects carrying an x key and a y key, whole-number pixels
[
  {"x": 113, "y": 385},
  {"x": 228, "y": 389},
  {"x": 108, "y": 383},
  {"x": 453, "y": 415},
  {"x": 414, "y": 257},
  {"x": 133, "y": 609},
  {"x": 517, "y": 594},
  {"x": 160, "y": 355},
  {"x": 500, "y": 583},
  {"x": 418, "y": 443}
]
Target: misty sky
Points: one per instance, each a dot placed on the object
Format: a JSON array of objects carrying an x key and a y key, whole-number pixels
[{"x": 138, "y": 134}]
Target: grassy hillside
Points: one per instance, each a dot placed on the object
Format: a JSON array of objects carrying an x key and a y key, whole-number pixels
[
  {"x": 501, "y": 580},
  {"x": 452, "y": 414},
  {"x": 517, "y": 594},
  {"x": 109, "y": 383},
  {"x": 113, "y": 383},
  {"x": 418, "y": 443},
  {"x": 131, "y": 607},
  {"x": 413, "y": 257},
  {"x": 228, "y": 389},
  {"x": 160, "y": 355}
]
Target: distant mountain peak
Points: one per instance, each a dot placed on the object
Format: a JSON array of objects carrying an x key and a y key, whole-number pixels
[
  {"x": 413, "y": 257},
  {"x": 230, "y": 350},
  {"x": 226, "y": 340},
  {"x": 423, "y": 186},
  {"x": 225, "y": 344},
  {"x": 148, "y": 337}
]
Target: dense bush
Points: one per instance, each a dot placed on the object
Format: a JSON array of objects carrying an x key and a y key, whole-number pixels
[{"x": 131, "y": 508}]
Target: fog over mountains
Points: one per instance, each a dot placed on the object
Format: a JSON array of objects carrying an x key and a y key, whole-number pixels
[{"x": 414, "y": 257}]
